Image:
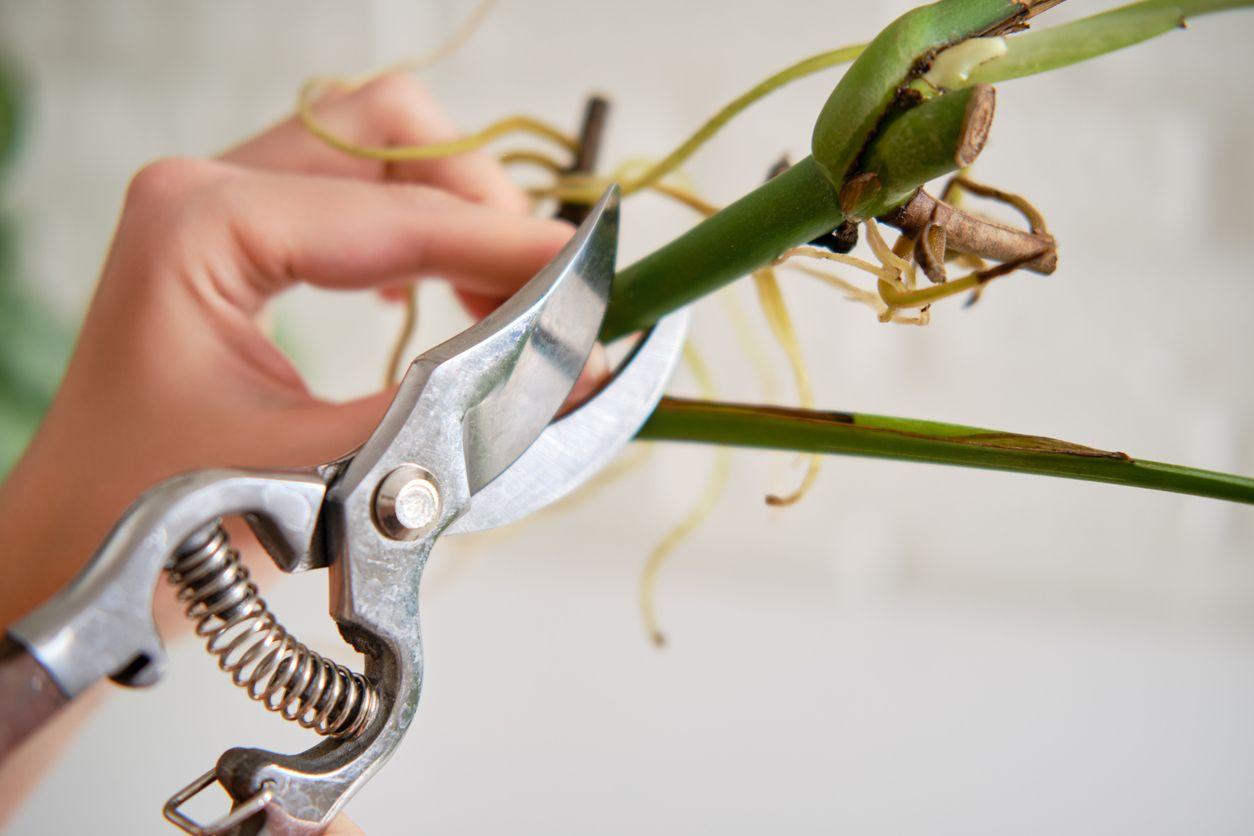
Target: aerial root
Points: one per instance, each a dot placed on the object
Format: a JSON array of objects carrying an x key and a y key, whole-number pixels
[
  {"x": 771, "y": 298},
  {"x": 715, "y": 485}
]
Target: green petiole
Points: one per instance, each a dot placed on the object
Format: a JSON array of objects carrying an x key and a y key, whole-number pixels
[{"x": 907, "y": 439}]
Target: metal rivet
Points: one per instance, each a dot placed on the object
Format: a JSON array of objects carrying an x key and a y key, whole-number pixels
[{"x": 407, "y": 502}]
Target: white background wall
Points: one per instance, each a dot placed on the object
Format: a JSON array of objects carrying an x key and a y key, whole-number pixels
[{"x": 912, "y": 649}]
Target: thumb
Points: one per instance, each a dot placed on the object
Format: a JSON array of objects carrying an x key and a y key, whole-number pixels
[{"x": 322, "y": 431}]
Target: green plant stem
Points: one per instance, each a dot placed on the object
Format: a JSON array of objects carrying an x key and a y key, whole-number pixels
[
  {"x": 926, "y": 142},
  {"x": 908, "y": 439},
  {"x": 805, "y": 201},
  {"x": 784, "y": 212},
  {"x": 787, "y": 210},
  {"x": 869, "y": 89}
]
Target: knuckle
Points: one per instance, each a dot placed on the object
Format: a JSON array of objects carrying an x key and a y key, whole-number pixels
[
  {"x": 401, "y": 106},
  {"x": 163, "y": 217},
  {"x": 397, "y": 91},
  {"x": 167, "y": 179}
]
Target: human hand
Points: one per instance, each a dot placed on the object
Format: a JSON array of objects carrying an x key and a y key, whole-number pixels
[
  {"x": 343, "y": 826},
  {"x": 172, "y": 372}
]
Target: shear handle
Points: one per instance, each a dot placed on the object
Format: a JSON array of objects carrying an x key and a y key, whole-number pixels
[
  {"x": 101, "y": 623},
  {"x": 29, "y": 696}
]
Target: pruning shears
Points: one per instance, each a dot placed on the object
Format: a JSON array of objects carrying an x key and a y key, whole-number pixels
[{"x": 468, "y": 443}]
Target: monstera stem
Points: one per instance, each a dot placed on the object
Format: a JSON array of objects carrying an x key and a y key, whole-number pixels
[
  {"x": 874, "y": 143},
  {"x": 941, "y": 135}
]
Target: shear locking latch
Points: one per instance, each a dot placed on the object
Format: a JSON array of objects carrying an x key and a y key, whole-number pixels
[{"x": 240, "y": 814}]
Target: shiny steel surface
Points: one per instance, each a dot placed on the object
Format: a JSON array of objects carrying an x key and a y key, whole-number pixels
[
  {"x": 535, "y": 345},
  {"x": 101, "y": 623},
  {"x": 579, "y": 444},
  {"x": 406, "y": 502},
  {"x": 239, "y": 814}
]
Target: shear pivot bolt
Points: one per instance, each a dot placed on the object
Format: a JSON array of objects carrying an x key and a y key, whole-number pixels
[{"x": 406, "y": 502}]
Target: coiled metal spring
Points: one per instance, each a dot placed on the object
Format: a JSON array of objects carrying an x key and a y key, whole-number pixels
[{"x": 265, "y": 660}]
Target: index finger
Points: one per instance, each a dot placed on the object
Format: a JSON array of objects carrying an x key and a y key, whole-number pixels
[{"x": 348, "y": 234}]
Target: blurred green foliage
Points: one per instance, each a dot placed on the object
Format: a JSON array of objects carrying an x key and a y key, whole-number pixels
[{"x": 34, "y": 344}]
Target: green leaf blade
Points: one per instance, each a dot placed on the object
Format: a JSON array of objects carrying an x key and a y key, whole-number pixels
[{"x": 1043, "y": 50}]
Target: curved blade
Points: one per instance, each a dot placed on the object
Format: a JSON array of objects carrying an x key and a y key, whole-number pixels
[
  {"x": 483, "y": 396},
  {"x": 505, "y": 422},
  {"x": 579, "y": 444}
]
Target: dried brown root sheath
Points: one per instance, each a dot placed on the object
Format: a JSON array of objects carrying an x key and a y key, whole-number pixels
[
  {"x": 966, "y": 233},
  {"x": 1030, "y": 9},
  {"x": 1035, "y": 7},
  {"x": 929, "y": 252}
]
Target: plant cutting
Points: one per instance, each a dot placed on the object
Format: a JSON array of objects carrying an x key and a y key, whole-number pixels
[{"x": 916, "y": 104}]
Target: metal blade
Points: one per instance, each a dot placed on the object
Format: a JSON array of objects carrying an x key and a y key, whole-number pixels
[
  {"x": 573, "y": 292},
  {"x": 483, "y": 396},
  {"x": 579, "y": 444}
]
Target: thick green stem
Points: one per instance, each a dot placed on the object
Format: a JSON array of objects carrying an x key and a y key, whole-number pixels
[
  {"x": 787, "y": 210},
  {"x": 938, "y": 136},
  {"x": 925, "y": 142},
  {"x": 907, "y": 439}
]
